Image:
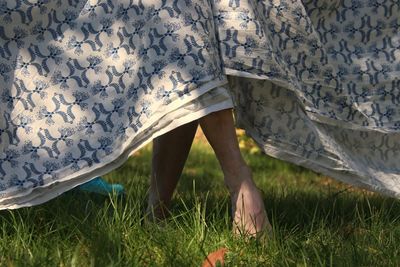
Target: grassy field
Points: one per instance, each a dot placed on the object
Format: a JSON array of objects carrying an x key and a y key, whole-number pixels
[{"x": 317, "y": 222}]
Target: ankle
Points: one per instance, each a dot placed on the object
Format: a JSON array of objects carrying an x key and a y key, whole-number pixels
[
  {"x": 157, "y": 200},
  {"x": 235, "y": 180}
]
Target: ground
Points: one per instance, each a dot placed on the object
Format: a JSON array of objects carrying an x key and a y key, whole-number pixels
[{"x": 317, "y": 221}]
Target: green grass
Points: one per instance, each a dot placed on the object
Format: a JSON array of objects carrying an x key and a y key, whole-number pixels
[{"x": 317, "y": 222}]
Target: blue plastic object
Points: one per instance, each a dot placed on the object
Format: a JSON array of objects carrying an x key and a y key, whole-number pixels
[{"x": 100, "y": 186}]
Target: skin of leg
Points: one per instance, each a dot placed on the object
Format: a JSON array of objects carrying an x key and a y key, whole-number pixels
[
  {"x": 170, "y": 152},
  {"x": 249, "y": 213}
]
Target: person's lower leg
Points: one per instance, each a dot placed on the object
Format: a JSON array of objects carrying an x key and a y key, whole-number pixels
[
  {"x": 170, "y": 152},
  {"x": 220, "y": 132},
  {"x": 249, "y": 212}
]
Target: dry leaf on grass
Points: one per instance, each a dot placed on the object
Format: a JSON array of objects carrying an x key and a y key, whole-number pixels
[{"x": 214, "y": 257}]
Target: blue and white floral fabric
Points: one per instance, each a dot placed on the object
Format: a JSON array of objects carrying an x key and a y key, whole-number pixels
[{"x": 85, "y": 83}]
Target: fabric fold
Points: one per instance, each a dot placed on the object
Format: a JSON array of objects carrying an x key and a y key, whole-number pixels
[{"x": 83, "y": 84}]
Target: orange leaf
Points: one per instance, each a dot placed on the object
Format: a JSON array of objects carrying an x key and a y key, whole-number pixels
[{"x": 214, "y": 257}]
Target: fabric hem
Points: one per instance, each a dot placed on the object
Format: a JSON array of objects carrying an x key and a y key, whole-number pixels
[
  {"x": 341, "y": 175},
  {"x": 60, "y": 187},
  {"x": 6, "y": 197}
]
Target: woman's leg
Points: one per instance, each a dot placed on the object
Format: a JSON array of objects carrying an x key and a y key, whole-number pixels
[
  {"x": 170, "y": 152},
  {"x": 249, "y": 216}
]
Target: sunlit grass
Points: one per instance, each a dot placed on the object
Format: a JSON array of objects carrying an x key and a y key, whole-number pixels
[{"x": 317, "y": 222}]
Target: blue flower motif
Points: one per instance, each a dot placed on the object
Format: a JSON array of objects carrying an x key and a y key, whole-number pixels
[
  {"x": 105, "y": 145},
  {"x": 106, "y": 24},
  {"x": 75, "y": 45},
  {"x": 94, "y": 62},
  {"x": 55, "y": 53},
  {"x": 100, "y": 89},
  {"x": 58, "y": 78},
  {"x": 164, "y": 95}
]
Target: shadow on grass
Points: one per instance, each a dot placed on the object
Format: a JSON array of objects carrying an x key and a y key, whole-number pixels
[
  {"x": 99, "y": 225},
  {"x": 202, "y": 178},
  {"x": 83, "y": 213}
]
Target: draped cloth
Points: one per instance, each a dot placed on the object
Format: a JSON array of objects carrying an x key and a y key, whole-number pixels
[{"x": 83, "y": 84}]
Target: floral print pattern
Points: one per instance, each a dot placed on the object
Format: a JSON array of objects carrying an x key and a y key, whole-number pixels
[{"x": 84, "y": 83}]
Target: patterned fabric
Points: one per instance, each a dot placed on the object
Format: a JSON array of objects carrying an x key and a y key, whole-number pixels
[{"x": 85, "y": 83}]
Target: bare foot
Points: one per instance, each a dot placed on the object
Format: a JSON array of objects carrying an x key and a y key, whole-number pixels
[
  {"x": 156, "y": 213},
  {"x": 157, "y": 209},
  {"x": 248, "y": 211}
]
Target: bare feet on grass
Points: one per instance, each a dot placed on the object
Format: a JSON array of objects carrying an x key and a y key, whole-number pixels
[
  {"x": 248, "y": 211},
  {"x": 157, "y": 205},
  {"x": 249, "y": 216},
  {"x": 157, "y": 212}
]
